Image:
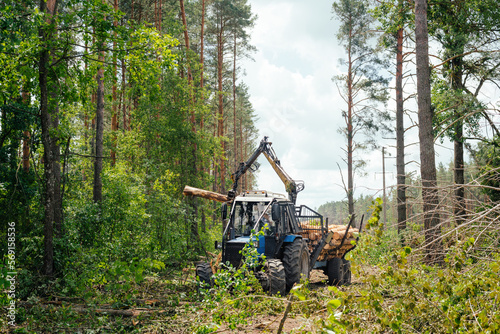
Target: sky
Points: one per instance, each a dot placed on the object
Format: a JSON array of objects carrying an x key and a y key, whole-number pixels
[
  {"x": 299, "y": 108},
  {"x": 298, "y": 105}
]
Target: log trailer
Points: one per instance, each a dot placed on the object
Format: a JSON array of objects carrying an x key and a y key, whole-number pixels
[{"x": 296, "y": 239}]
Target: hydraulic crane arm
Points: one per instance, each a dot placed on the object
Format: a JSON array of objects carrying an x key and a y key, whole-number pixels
[{"x": 292, "y": 187}]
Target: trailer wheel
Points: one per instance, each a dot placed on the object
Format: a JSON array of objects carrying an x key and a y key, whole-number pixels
[
  {"x": 347, "y": 272},
  {"x": 334, "y": 271},
  {"x": 296, "y": 262},
  {"x": 204, "y": 274},
  {"x": 274, "y": 281}
]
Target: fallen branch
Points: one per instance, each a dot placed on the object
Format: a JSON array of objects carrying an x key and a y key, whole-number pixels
[
  {"x": 282, "y": 322},
  {"x": 84, "y": 310}
]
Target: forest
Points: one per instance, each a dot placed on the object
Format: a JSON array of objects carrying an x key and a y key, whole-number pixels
[{"x": 109, "y": 108}]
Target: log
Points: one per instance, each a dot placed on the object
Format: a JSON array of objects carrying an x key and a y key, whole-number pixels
[{"x": 191, "y": 191}]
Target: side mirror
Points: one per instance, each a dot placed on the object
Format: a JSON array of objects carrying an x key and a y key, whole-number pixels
[
  {"x": 223, "y": 210},
  {"x": 276, "y": 212}
]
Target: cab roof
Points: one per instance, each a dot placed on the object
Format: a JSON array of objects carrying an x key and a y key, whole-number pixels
[{"x": 259, "y": 195}]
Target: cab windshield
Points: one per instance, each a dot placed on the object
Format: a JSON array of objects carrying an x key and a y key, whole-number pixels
[{"x": 246, "y": 215}]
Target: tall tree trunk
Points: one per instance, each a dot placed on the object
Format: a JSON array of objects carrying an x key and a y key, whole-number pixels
[
  {"x": 350, "y": 169},
  {"x": 47, "y": 114},
  {"x": 192, "y": 202},
  {"x": 56, "y": 151},
  {"x": 426, "y": 137},
  {"x": 26, "y": 151},
  {"x": 400, "y": 137},
  {"x": 220, "y": 123},
  {"x": 124, "y": 97},
  {"x": 114, "y": 117},
  {"x": 235, "y": 146},
  {"x": 26, "y": 138},
  {"x": 241, "y": 144},
  {"x": 202, "y": 48},
  {"x": 458, "y": 171},
  {"x": 99, "y": 131}
]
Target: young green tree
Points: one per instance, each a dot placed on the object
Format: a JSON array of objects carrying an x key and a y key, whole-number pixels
[{"x": 362, "y": 87}]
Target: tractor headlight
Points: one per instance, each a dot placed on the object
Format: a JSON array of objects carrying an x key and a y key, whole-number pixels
[{"x": 256, "y": 243}]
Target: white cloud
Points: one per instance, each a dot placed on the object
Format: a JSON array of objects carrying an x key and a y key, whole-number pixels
[{"x": 299, "y": 107}]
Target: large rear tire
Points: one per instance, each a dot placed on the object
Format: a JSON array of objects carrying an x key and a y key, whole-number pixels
[
  {"x": 334, "y": 271},
  {"x": 274, "y": 274},
  {"x": 346, "y": 271},
  {"x": 296, "y": 262},
  {"x": 204, "y": 274}
]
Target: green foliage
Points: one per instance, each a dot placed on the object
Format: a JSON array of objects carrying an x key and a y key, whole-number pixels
[
  {"x": 404, "y": 295},
  {"x": 232, "y": 286},
  {"x": 230, "y": 281},
  {"x": 449, "y": 103},
  {"x": 488, "y": 157}
]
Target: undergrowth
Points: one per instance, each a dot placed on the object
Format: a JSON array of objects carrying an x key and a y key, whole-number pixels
[{"x": 392, "y": 292}]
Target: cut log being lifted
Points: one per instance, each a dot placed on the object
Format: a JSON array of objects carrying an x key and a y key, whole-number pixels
[{"x": 192, "y": 191}]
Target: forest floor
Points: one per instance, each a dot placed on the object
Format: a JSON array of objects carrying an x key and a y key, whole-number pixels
[{"x": 170, "y": 303}]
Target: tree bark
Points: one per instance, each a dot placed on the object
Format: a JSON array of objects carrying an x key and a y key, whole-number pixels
[
  {"x": 99, "y": 131},
  {"x": 114, "y": 117},
  {"x": 220, "y": 123},
  {"x": 47, "y": 114},
  {"x": 26, "y": 138},
  {"x": 458, "y": 171},
  {"x": 400, "y": 137},
  {"x": 426, "y": 137},
  {"x": 202, "y": 48},
  {"x": 350, "y": 169},
  {"x": 235, "y": 146}
]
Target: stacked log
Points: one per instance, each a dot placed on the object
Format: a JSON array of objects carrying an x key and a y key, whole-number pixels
[{"x": 332, "y": 248}]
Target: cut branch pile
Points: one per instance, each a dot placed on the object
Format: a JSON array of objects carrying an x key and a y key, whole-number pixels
[{"x": 333, "y": 248}]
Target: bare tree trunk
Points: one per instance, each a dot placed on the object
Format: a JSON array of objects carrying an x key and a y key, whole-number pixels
[
  {"x": 202, "y": 49},
  {"x": 350, "y": 170},
  {"x": 99, "y": 132},
  {"x": 426, "y": 137},
  {"x": 220, "y": 123},
  {"x": 47, "y": 113},
  {"x": 235, "y": 146},
  {"x": 26, "y": 138},
  {"x": 459, "y": 178},
  {"x": 56, "y": 151},
  {"x": 400, "y": 137},
  {"x": 114, "y": 117},
  {"x": 124, "y": 97}
]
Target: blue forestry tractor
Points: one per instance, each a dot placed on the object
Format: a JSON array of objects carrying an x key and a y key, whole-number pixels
[{"x": 294, "y": 239}]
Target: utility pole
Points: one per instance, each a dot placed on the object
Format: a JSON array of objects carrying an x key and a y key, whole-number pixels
[{"x": 383, "y": 184}]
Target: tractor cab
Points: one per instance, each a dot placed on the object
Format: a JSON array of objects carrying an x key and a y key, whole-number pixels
[{"x": 255, "y": 211}]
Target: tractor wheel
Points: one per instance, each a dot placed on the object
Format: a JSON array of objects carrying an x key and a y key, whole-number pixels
[
  {"x": 347, "y": 272},
  {"x": 274, "y": 281},
  {"x": 296, "y": 262},
  {"x": 334, "y": 271},
  {"x": 204, "y": 274}
]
